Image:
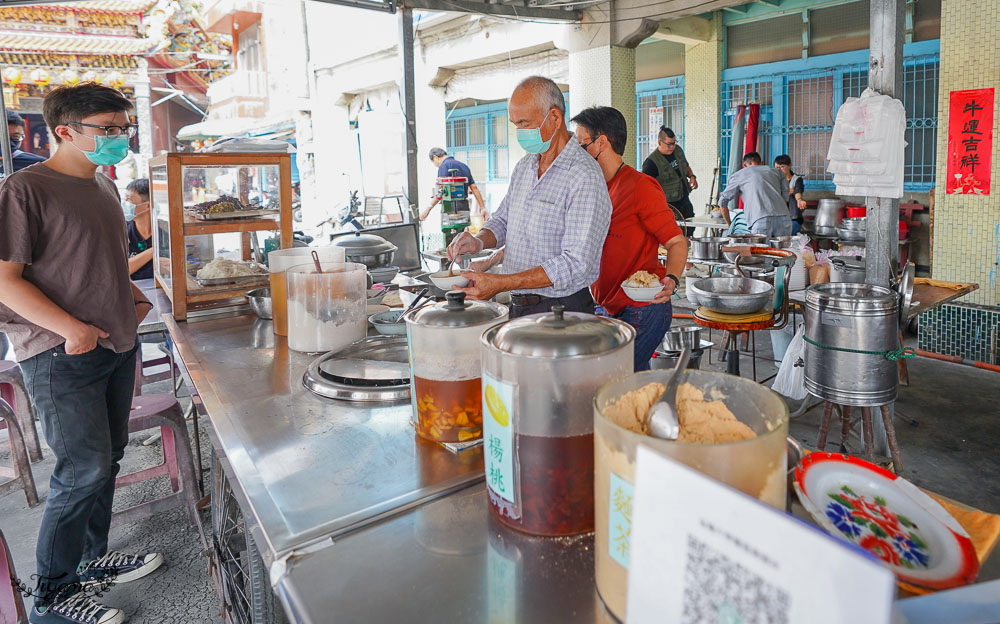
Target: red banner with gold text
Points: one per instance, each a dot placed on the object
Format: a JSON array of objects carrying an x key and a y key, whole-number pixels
[{"x": 970, "y": 142}]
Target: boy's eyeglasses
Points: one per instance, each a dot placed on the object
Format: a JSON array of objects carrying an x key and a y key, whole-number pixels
[{"x": 128, "y": 130}]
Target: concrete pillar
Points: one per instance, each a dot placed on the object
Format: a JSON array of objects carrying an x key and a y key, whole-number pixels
[
  {"x": 702, "y": 126},
  {"x": 605, "y": 76},
  {"x": 885, "y": 75},
  {"x": 144, "y": 112}
]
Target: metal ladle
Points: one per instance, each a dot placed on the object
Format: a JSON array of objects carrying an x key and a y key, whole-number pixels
[
  {"x": 463, "y": 261},
  {"x": 661, "y": 420},
  {"x": 413, "y": 304}
]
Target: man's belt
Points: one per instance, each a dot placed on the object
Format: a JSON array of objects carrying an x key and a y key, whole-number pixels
[{"x": 526, "y": 299}]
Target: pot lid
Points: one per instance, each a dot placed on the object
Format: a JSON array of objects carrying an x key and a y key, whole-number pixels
[
  {"x": 562, "y": 334},
  {"x": 850, "y": 263},
  {"x": 455, "y": 311},
  {"x": 905, "y": 290},
  {"x": 363, "y": 244}
]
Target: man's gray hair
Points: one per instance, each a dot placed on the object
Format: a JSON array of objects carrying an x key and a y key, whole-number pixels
[{"x": 547, "y": 93}]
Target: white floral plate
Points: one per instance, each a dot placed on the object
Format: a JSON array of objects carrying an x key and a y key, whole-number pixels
[{"x": 889, "y": 517}]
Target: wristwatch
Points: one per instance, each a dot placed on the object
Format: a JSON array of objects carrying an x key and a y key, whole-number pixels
[{"x": 677, "y": 282}]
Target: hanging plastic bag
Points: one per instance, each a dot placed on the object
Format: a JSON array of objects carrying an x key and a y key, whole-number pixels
[{"x": 791, "y": 378}]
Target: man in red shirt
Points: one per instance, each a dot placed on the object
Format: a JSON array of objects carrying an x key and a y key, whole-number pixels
[{"x": 641, "y": 222}]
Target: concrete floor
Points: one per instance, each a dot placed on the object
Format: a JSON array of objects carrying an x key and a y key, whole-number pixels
[
  {"x": 180, "y": 591},
  {"x": 948, "y": 426}
]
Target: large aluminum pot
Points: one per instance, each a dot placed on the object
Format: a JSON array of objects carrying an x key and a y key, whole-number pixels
[
  {"x": 855, "y": 324},
  {"x": 707, "y": 248},
  {"x": 829, "y": 214},
  {"x": 368, "y": 249}
]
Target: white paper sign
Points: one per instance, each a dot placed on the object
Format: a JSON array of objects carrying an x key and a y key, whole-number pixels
[
  {"x": 655, "y": 120},
  {"x": 704, "y": 552}
]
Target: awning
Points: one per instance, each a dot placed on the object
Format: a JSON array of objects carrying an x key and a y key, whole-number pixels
[
  {"x": 241, "y": 126},
  {"x": 89, "y": 44}
]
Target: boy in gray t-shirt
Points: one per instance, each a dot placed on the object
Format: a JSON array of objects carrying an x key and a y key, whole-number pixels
[{"x": 68, "y": 307}]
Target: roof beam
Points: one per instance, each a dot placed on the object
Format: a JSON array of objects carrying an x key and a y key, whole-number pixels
[
  {"x": 521, "y": 8},
  {"x": 739, "y": 10},
  {"x": 773, "y": 3},
  {"x": 687, "y": 30}
]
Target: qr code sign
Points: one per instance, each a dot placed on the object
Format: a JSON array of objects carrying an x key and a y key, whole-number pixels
[{"x": 721, "y": 591}]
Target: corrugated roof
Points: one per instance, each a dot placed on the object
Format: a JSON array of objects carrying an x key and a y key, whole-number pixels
[{"x": 79, "y": 44}]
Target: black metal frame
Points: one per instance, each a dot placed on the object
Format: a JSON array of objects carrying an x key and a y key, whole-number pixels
[{"x": 240, "y": 571}]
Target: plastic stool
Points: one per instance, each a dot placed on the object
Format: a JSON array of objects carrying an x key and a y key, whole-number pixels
[
  {"x": 161, "y": 410},
  {"x": 13, "y": 391},
  {"x": 11, "y": 605},
  {"x": 142, "y": 379},
  {"x": 19, "y": 476}
]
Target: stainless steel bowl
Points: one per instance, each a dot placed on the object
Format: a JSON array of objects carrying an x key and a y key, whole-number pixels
[
  {"x": 748, "y": 239},
  {"x": 850, "y": 235},
  {"x": 383, "y": 274},
  {"x": 260, "y": 302},
  {"x": 854, "y": 223},
  {"x": 732, "y": 295},
  {"x": 707, "y": 248},
  {"x": 668, "y": 359},
  {"x": 680, "y": 337},
  {"x": 749, "y": 260}
]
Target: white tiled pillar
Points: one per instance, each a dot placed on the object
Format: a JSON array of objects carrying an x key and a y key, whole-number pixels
[
  {"x": 702, "y": 73},
  {"x": 605, "y": 76}
]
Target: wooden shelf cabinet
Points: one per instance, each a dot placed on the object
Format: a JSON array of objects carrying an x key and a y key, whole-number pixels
[{"x": 181, "y": 241}]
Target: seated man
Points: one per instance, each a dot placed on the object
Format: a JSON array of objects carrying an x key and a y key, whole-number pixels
[
  {"x": 641, "y": 221},
  {"x": 15, "y": 129},
  {"x": 764, "y": 192}
]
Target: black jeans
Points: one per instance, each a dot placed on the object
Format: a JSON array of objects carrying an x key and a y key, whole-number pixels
[
  {"x": 83, "y": 402},
  {"x": 683, "y": 206},
  {"x": 580, "y": 301}
]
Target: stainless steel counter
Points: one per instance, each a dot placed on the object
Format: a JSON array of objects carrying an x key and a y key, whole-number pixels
[
  {"x": 448, "y": 561},
  {"x": 307, "y": 468},
  {"x": 362, "y": 520}
]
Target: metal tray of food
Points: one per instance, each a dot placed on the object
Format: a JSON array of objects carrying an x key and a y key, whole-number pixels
[
  {"x": 226, "y": 281},
  {"x": 238, "y": 214}
]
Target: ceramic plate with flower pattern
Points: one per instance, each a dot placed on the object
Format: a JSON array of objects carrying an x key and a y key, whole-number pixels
[{"x": 887, "y": 516}]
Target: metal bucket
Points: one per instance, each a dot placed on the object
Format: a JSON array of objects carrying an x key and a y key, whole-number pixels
[
  {"x": 848, "y": 319},
  {"x": 708, "y": 248},
  {"x": 829, "y": 214}
]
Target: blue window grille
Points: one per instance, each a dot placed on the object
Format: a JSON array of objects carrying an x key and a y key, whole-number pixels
[
  {"x": 663, "y": 92},
  {"x": 799, "y": 101},
  {"x": 477, "y": 136}
]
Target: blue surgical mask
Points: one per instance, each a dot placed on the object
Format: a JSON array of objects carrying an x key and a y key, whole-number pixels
[
  {"x": 530, "y": 139},
  {"x": 108, "y": 150},
  {"x": 129, "y": 209}
]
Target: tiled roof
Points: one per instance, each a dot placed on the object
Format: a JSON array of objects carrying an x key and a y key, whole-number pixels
[
  {"x": 118, "y": 6},
  {"x": 79, "y": 44}
]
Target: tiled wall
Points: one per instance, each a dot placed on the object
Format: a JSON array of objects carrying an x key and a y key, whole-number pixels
[
  {"x": 605, "y": 76},
  {"x": 965, "y": 331},
  {"x": 967, "y": 227},
  {"x": 702, "y": 68}
]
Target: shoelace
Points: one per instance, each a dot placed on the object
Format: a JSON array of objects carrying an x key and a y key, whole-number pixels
[
  {"x": 80, "y": 608},
  {"x": 114, "y": 559}
]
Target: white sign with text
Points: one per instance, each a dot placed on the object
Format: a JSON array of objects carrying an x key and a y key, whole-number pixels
[{"x": 705, "y": 552}]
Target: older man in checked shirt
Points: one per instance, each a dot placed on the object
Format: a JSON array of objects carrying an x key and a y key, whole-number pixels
[{"x": 554, "y": 218}]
